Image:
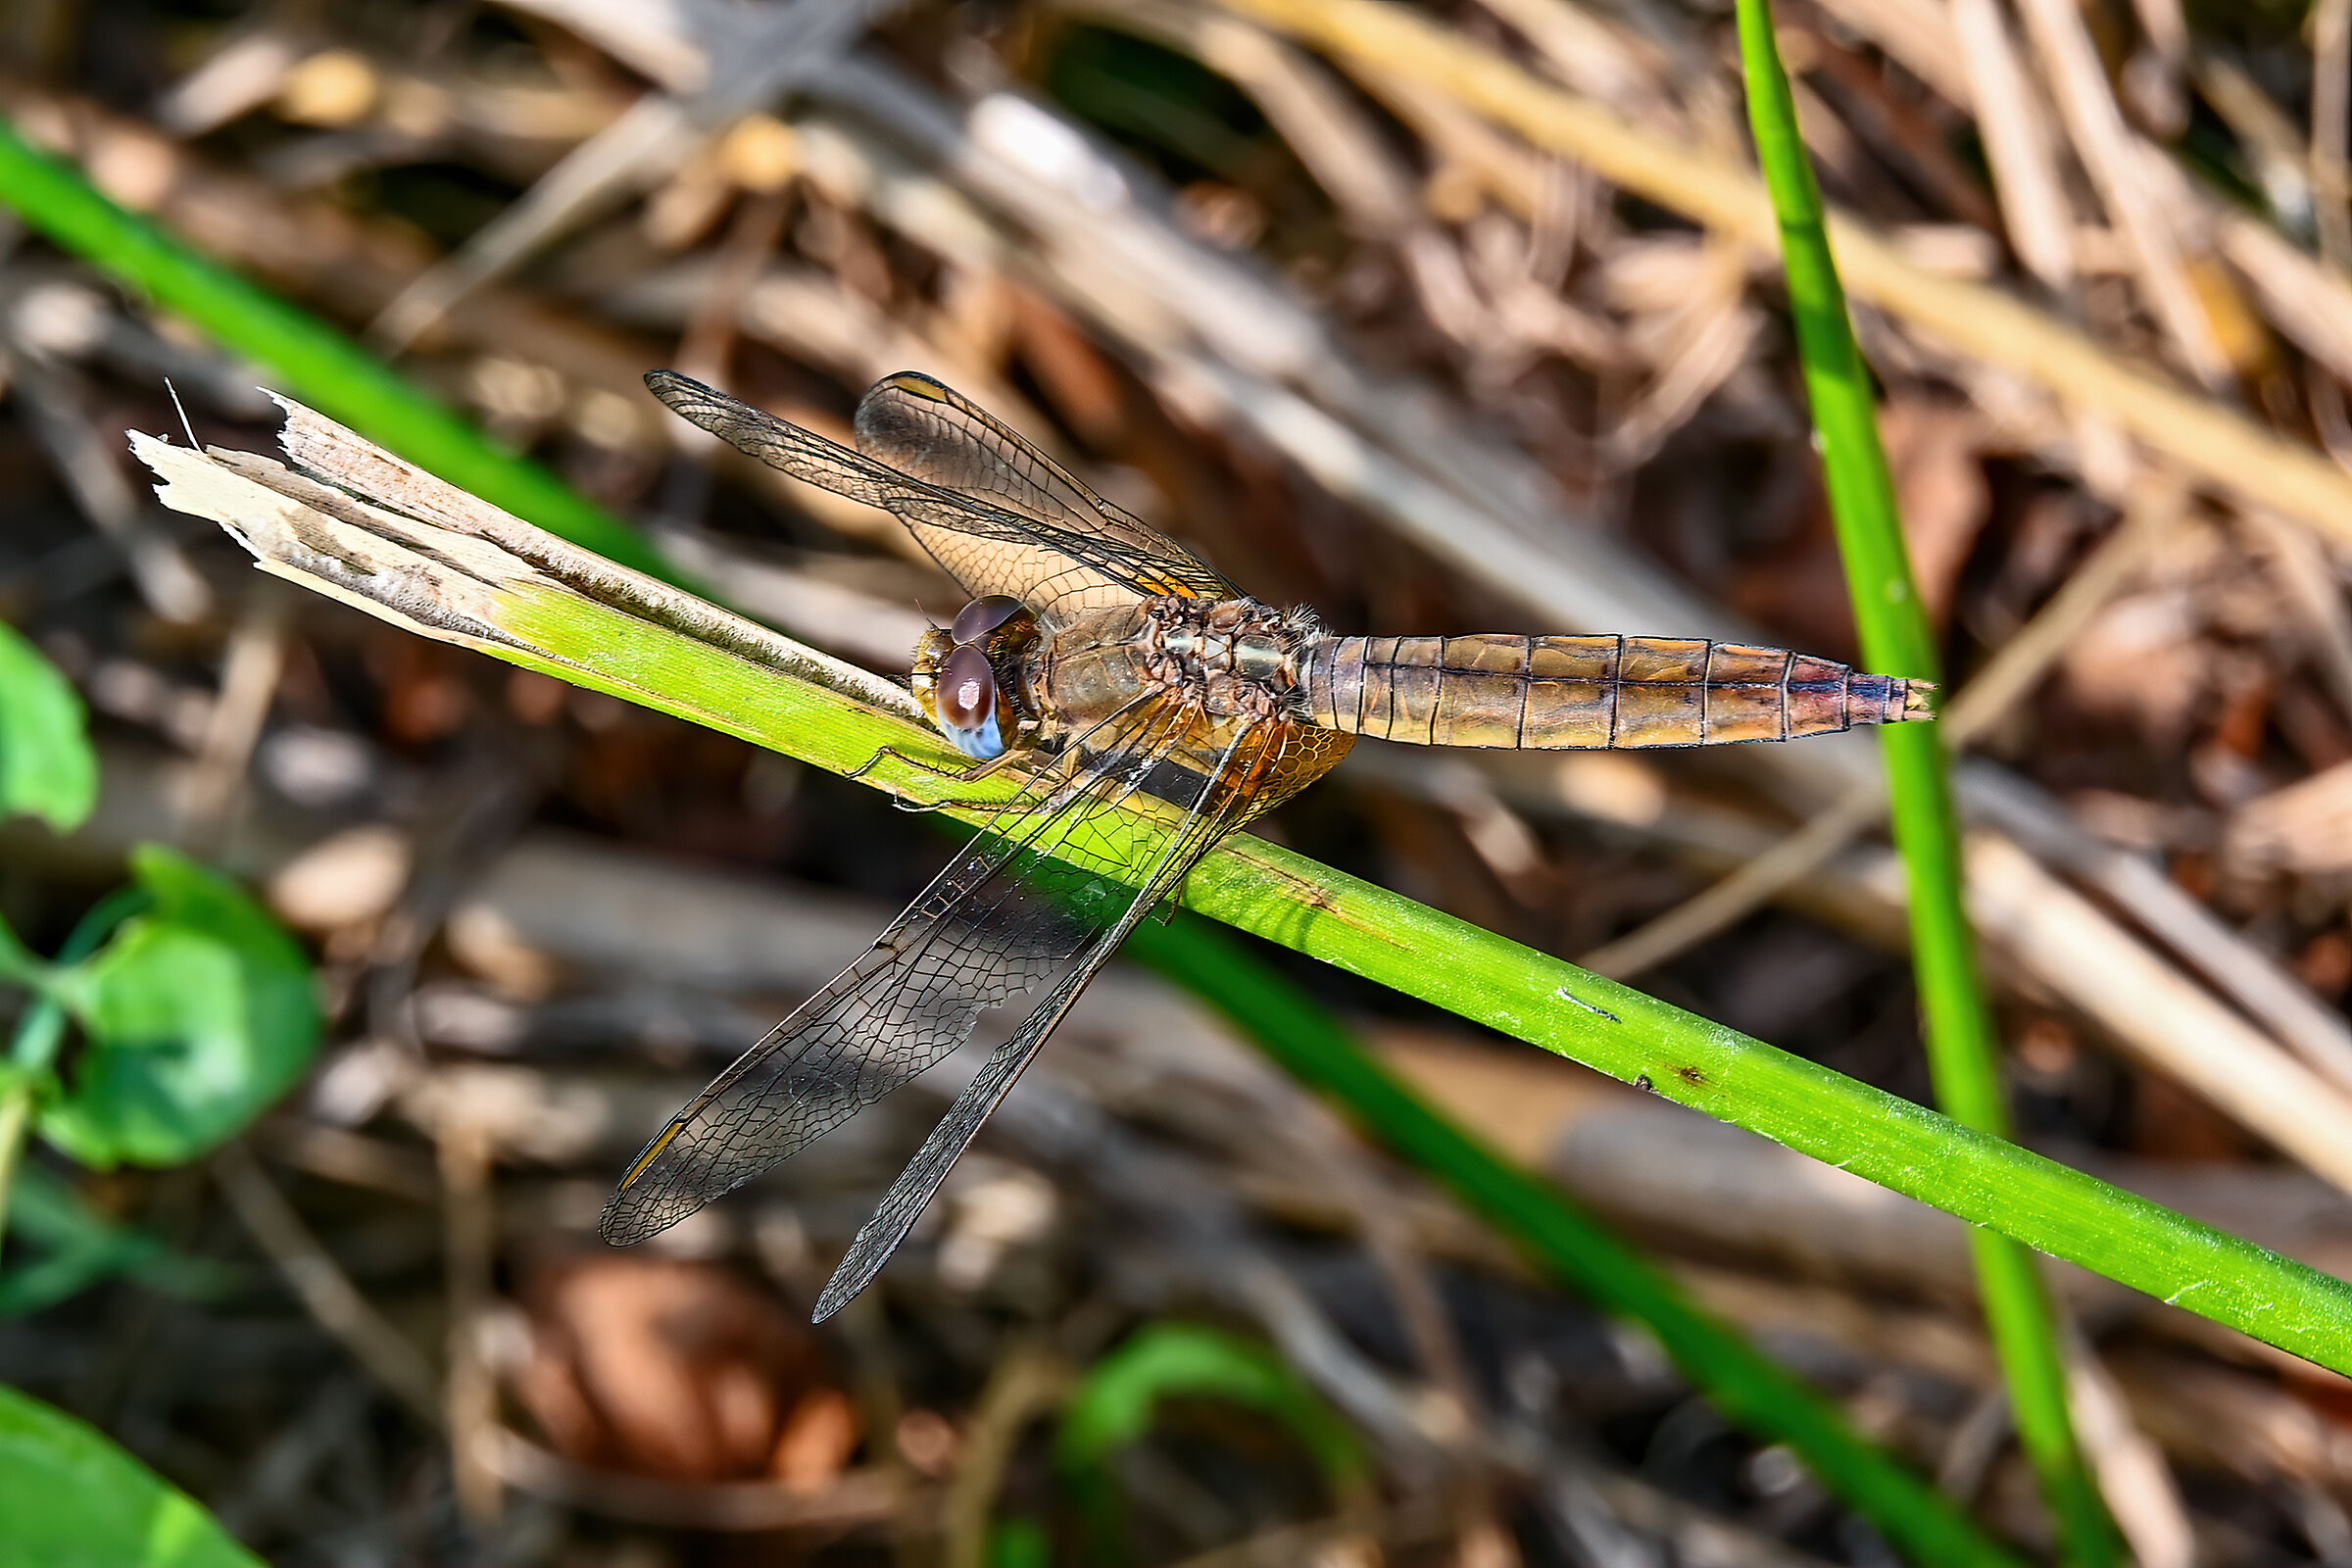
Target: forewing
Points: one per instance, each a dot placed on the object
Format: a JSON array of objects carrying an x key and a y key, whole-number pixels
[
  {"x": 1225, "y": 793},
  {"x": 1076, "y": 551},
  {"x": 999, "y": 921},
  {"x": 998, "y": 516},
  {"x": 781, "y": 445}
]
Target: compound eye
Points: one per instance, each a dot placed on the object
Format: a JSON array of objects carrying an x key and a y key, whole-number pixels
[
  {"x": 981, "y": 616},
  {"x": 965, "y": 694}
]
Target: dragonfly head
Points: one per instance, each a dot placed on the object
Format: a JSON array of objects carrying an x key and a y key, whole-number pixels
[{"x": 966, "y": 675}]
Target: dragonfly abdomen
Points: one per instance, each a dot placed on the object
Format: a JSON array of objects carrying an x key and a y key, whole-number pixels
[{"x": 1562, "y": 693}]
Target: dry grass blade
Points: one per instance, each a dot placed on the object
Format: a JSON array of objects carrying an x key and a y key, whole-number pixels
[
  {"x": 2017, "y": 143},
  {"x": 1369, "y": 345},
  {"x": 2204, "y": 438},
  {"x": 325, "y": 1290},
  {"x": 781, "y": 49},
  {"x": 2197, "y": 938},
  {"x": 2330, "y": 123},
  {"x": 321, "y": 520}
]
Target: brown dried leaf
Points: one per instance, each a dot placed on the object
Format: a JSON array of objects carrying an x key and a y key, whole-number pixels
[{"x": 677, "y": 1369}]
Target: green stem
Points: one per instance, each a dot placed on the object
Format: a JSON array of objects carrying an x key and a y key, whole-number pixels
[
  {"x": 16, "y": 1113},
  {"x": 42, "y": 1029},
  {"x": 581, "y": 638},
  {"x": 1896, "y": 639},
  {"x": 303, "y": 354},
  {"x": 17, "y": 966},
  {"x": 1566, "y": 1243},
  {"x": 642, "y": 654}
]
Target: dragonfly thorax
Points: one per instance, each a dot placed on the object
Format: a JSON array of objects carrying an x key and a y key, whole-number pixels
[{"x": 1236, "y": 657}]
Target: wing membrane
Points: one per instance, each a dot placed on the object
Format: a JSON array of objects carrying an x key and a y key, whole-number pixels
[
  {"x": 1225, "y": 795},
  {"x": 1078, "y": 550},
  {"x": 998, "y": 516},
  {"x": 781, "y": 445},
  {"x": 1003, "y": 919}
]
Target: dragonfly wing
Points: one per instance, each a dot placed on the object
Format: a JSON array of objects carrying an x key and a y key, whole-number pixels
[
  {"x": 1226, "y": 792},
  {"x": 1079, "y": 551},
  {"x": 779, "y": 443},
  {"x": 1023, "y": 526},
  {"x": 1003, "y": 919}
]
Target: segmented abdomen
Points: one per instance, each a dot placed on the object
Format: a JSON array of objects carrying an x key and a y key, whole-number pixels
[{"x": 1558, "y": 693}]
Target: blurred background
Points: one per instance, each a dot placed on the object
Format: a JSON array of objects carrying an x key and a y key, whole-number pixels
[{"x": 1343, "y": 322}]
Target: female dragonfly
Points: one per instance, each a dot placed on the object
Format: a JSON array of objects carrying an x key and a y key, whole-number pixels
[{"x": 1149, "y": 707}]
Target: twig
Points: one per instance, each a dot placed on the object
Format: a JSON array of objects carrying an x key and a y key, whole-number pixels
[
  {"x": 1930, "y": 44},
  {"x": 2330, "y": 122},
  {"x": 323, "y": 1286},
  {"x": 1307, "y": 110},
  {"x": 2306, "y": 579},
  {"x": 1454, "y": 1408},
  {"x": 2125, "y": 986},
  {"x": 2133, "y": 1476},
  {"x": 855, "y": 1497},
  {"x": 2197, "y": 937},
  {"x": 2105, "y": 145},
  {"x": 1392, "y": 1411},
  {"x": 2017, "y": 144},
  {"x": 470, "y": 1237},
  {"x": 1724, "y": 903},
  {"x": 249, "y": 676},
  {"x": 1027, "y": 1383},
  {"x": 711, "y": 329},
  {"x": 89, "y": 466}
]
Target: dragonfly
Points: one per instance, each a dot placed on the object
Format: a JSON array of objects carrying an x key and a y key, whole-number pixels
[{"x": 1147, "y": 707}]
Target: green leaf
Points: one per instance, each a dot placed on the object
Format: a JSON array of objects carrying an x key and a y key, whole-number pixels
[
  {"x": 1114, "y": 1403},
  {"x": 70, "y": 1499},
  {"x": 79, "y": 1247},
  {"x": 1019, "y": 1543},
  {"x": 47, "y": 768},
  {"x": 196, "y": 1015}
]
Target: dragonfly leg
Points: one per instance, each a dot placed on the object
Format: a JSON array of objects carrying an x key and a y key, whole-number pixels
[
  {"x": 949, "y": 803},
  {"x": 969, "y": 775},
  {"x": 892, "y": 752},
  {"x": 1071, "y": 786}
]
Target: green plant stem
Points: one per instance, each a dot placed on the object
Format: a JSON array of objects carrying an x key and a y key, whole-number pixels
[
  {"x": 33, "y": 1049},
  {"x": 17, "y": 966},
  {"x": 16, "y": 1113},
  {"x": 608, "y": 642},
  {"x": 1896, "y": 639},
  {"x": 301, "y": 354},
  {"x": 1566, "y": 1243}
]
